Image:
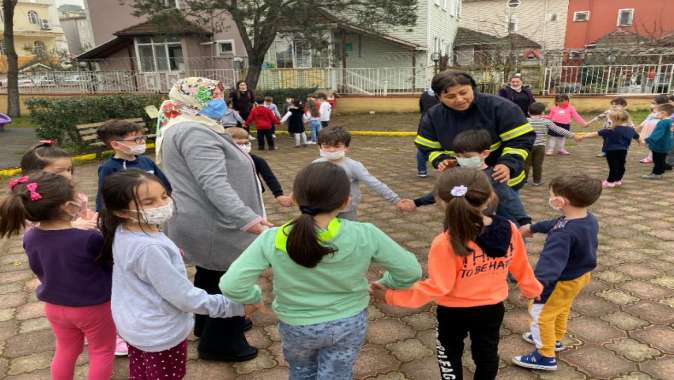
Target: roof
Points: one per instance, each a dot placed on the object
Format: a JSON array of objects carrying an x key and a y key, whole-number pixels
[
  {"x": 105, "y": 49},
  {"x": 620, "y": 38},
  {"x": 667, "y": 40},
  {"x": 469, "y": 37},
  {"x": 149, "y": 28}
]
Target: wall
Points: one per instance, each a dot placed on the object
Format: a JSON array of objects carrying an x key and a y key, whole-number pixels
[
  {"x": 652, "y": 18},
  {"x": 443, "y": 24},
  {"x": 108, "y": 17},
  {"x": 418, "y": 33},
  {"x": 26, "y": 33}
]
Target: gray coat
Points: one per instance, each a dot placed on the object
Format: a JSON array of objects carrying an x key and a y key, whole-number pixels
[{"x": 216, "y": 194}]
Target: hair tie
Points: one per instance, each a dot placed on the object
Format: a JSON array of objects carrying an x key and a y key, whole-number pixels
[
  {"x": 32, "y": 189},
  {"x": 459, "y": 191},
  {"x": 48, "y": 142},
  {"x": 309, "y": 210},
  {"x": 13, "y": 182}
]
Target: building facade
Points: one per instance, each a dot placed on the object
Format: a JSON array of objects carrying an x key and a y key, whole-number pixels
[{"x": 77, "y": 28}]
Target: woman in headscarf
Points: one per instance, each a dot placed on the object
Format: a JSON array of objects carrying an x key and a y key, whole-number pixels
[{"x": 219, "y": 209}]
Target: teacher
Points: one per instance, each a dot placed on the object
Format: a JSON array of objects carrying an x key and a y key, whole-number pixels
[
  {"x": 217, "y": 199},
  {"x": 463, "y": 108},
  {"x": 517, "y": 93},
  {"x": 242, "y": 99}
]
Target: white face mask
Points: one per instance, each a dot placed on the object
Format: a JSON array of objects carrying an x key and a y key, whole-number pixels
[
  {"x": 137, "y": 150},
  {"x": 470, "y": 162},
  {"x": 245, "y": 147},
  {"x": 158, "y": 215},
  {"x": 333, "y": 156}
]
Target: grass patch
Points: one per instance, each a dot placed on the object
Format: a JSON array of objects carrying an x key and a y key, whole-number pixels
[{"x": 21, "y": 122}]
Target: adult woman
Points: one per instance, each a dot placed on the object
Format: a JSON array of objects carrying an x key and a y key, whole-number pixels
[
  {"x": 217, "y": 201},
  {"x": 463, "y": 108},
  {"x": 518, "y": 94},
  {"x": 242, "y": 99}
]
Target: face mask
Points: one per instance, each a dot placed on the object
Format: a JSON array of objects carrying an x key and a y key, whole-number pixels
[
  {"x": 554, "y": 203},
  {"x": 215, "y": 109},
  {"x": 245, "y": 147},
  {"x": 470, "y": 162},
  {"x": 137, "y": 150},
  {"x": 333, "y": 156},
  {"x": 158, "y": 215}
]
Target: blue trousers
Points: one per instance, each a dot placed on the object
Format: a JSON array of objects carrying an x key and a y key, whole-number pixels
[
  {"x": 421, "y": 162},
  {"x": 315, "y": 127}
]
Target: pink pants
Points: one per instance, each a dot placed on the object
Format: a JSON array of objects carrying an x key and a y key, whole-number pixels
[{"x": 71, "y": 325}]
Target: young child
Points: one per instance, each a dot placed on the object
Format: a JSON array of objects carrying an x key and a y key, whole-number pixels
[
  {"x": 269, "y": 104},
  {"x": 263, "y": 118},
  {"x": 617, "y": 103},
  {"x": 617, "y": 139},
  {"x": 231, "y": 117},
  {"x": 467, "y": 269},
  {"x": 660, "y": 141},
  {"x": 562, "y": 114},
  {"x": 264, "y": 172},
  {"x": 74, "y": 285},
  {"x": 313, "y": 116},
  {"x": 542, "y": 126},
  {"x": 128, "y": 142},
  {"x": 648, "y": 125},
  {"x": 152, "y": 299},
  {"x": 334, "y": 143},
  {"x": 48, "y": 157},
  {"x": 568, "y": 257},
  {"x": 319, "y": 262},
  {"x": 325, "y": 109},
  {"x": 295, "y": 119},
  {"x": 472, "y": 148}
]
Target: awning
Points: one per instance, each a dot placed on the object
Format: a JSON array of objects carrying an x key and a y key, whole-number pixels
[{"x": 105, "y": 49}]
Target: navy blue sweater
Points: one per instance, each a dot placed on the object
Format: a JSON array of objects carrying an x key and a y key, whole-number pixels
[
  {"x": 113, "y": 165},
  {"x": 617, "y": 138},
  {"x": 569, "y": 252}
]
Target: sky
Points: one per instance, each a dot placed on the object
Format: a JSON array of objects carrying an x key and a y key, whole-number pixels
[{"x": 76, "y": 2}]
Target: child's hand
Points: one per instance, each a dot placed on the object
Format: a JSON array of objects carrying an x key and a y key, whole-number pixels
[
  {"x": 284, "y": 200},
  {"x": 526, "y": 232},
  {"x": 501, "y": 173},
  {"x": 578, "y": 138},
  {"x": 251, "y": 309},
  {"x": 525, "y": 298},
  {"x": 84, "y": 224},
  {"x": 446, "y": 164},
  {"x": 378, "y": 291},
  {"x": 406, "y": 205}
]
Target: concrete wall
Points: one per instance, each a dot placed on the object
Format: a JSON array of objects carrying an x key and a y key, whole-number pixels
[{"x": 108, "y": 17}]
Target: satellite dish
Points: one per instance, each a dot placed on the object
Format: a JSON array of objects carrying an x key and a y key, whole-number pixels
[{"x": 514, "y": 3}]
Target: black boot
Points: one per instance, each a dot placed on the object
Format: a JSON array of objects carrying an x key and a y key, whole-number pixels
[{"x": 222, "y": 339}]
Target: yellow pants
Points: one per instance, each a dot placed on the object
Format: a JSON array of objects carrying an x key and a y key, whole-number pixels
[{"x": 549, "y": 319}]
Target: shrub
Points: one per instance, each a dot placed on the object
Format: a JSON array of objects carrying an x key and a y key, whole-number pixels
[
  {"x": 56, "y": 118},
  {"x": 280, "y": 95}
]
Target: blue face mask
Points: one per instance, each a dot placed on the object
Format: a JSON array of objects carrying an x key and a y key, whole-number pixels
[{"x": 215, "y": 109}]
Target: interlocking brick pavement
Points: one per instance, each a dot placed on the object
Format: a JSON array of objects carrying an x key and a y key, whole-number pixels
[{"x": 622, "y": 326}]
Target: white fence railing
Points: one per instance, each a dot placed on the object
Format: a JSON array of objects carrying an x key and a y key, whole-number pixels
[{"x": 609, "y": 79}]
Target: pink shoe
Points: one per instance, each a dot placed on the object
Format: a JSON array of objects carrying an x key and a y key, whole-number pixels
[
  {"x": 549, "y": 153},
  {"x": 618, "y": 183},
  {"x": 564, "y": 152},
  {"x": 646, "y": 161},
  {"x": 121, "y": 349},
  {"x": 607, "y": 185}
]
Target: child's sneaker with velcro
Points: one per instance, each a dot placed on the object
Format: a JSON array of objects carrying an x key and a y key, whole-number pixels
[
  {"x": 534, "y": 360},
  {"x": 528, "y": 337}
]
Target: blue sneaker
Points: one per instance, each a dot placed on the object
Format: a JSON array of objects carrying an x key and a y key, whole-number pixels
[
  {"x": 534, "y": 360},
  {"x": 529, "y": 338}
]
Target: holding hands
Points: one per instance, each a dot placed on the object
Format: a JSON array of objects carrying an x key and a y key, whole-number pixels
[
  {"x": 285, "y": 200},
  {"x": 378, "y": 292},
  {"x": 406, "y": 205},
  {"x": 526, "y": 232}
]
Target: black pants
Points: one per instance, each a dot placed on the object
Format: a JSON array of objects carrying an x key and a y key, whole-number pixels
[
  {"x": 659, "y": 162},
  {"x": 265, "y": 134},
  {"x": 324, "y": 124},
  {"x": 216, "y": 334},
  {"x": 482, "y": 323},
  {"x": 535, "y": 160},
  {"x": 616, "y": 164}
]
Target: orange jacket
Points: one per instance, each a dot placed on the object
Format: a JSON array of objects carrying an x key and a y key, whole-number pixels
[{"x": 473, "y": 280}]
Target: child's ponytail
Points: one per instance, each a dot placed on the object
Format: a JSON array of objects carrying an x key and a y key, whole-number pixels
[
  {"x": 319, "y": 188},
  {"x": 465, "y": 192},
  {"x": 12, "y": 215}
]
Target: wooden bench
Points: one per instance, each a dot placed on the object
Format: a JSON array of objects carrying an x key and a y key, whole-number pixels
[{"x": 88, "y": 136}]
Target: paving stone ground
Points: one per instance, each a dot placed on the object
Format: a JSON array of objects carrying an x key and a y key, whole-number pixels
[{"x": 622, "y": 325}]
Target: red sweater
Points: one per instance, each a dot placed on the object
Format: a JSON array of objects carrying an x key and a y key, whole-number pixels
[{"x": 262, "y": 117}]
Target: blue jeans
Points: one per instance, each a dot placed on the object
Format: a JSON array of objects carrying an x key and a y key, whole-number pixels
[
  {"x": 421, "y": 162},
  {"x": 314, "y": 127},
  {"x": 324, "y": 351}
]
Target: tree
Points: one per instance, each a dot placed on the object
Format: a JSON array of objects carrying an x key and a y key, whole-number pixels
[
  {"x": 13, "y": 101},
  {"x": 260, "y": 21}
]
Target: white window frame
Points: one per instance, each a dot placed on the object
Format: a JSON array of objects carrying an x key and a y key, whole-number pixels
[
  {"x": 620, "y": 11},
  {"x": 176, "y": 3},
  {"x": 587, "y": 18},
  {"x": 220, "y": 53},
  {"x": 452, "y": 8},
  {"x": 33, "y": 15},
  {"x": 154, "y": 56},
  {"x": 458, "y": 6},
  {"x": 444, "y": 5}
]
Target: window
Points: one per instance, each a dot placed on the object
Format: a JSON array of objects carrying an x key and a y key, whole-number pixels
[
  {"x": 159, "y": 54},
  {"x": 2, "y": 16},
  {"x": 39, "y": 47},
  {"x": 512, "y": 24},
  {"x": 171, "y": 4},
  {"x": 553, "y": 17},
  {"x": 457, "y": 7},
  {"x": 581, "y": 16},
  {"x": 625, "y": 17},
  {"x": 225, "y": 47},
  {"x": 444, "y": 4},
  {"x": 452, "y": 7},
  {"x": 297, "y": 53},
  {"x": 436, "y": 45},
  {"x": 33, "y": 18}
]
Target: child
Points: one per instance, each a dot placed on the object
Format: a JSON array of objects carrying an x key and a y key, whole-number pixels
[
  {"x": 648, "y": 125},
  {"x": 231, "y": 117},
  {"x": 74, "y": 285},
  {"x": 263, "y": 118},
  {"x": 568, "y": 257},
  {"x": 313, "y": 116},
  {"x": 334, "y": 143},
  {"x": 561, "y": 114},
  {"x": 128, "y": 142},
  {"x": 472, "y": 148},
  {"x": 295, "y": 119},
  {"x": 269, "y": 104},
  {"x": 152, "y": 299},
  {"x": 660, "y": 141},
  {"x": 242, "y": 139},
  {"x": 542, "y": 126},
  {"x": 617, "y": 103},
  {"x": 319, "y": 264},
  {"x": 617, "y": 138},
  {"x": 467, "y": 268},
  {"x": 48, "y": 157},
  {"x": 325, "y": 109}
]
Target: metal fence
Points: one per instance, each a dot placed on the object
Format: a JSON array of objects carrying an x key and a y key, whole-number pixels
[{"x": 609, "y": 79}]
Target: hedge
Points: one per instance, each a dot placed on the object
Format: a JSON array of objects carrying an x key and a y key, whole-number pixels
[
  {"x": 56, "y": 118},
  {"x": 280, "y": 95}
]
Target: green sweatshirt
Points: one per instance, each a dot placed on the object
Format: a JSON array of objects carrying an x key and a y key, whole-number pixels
[{"x": 336, "y": 288}]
